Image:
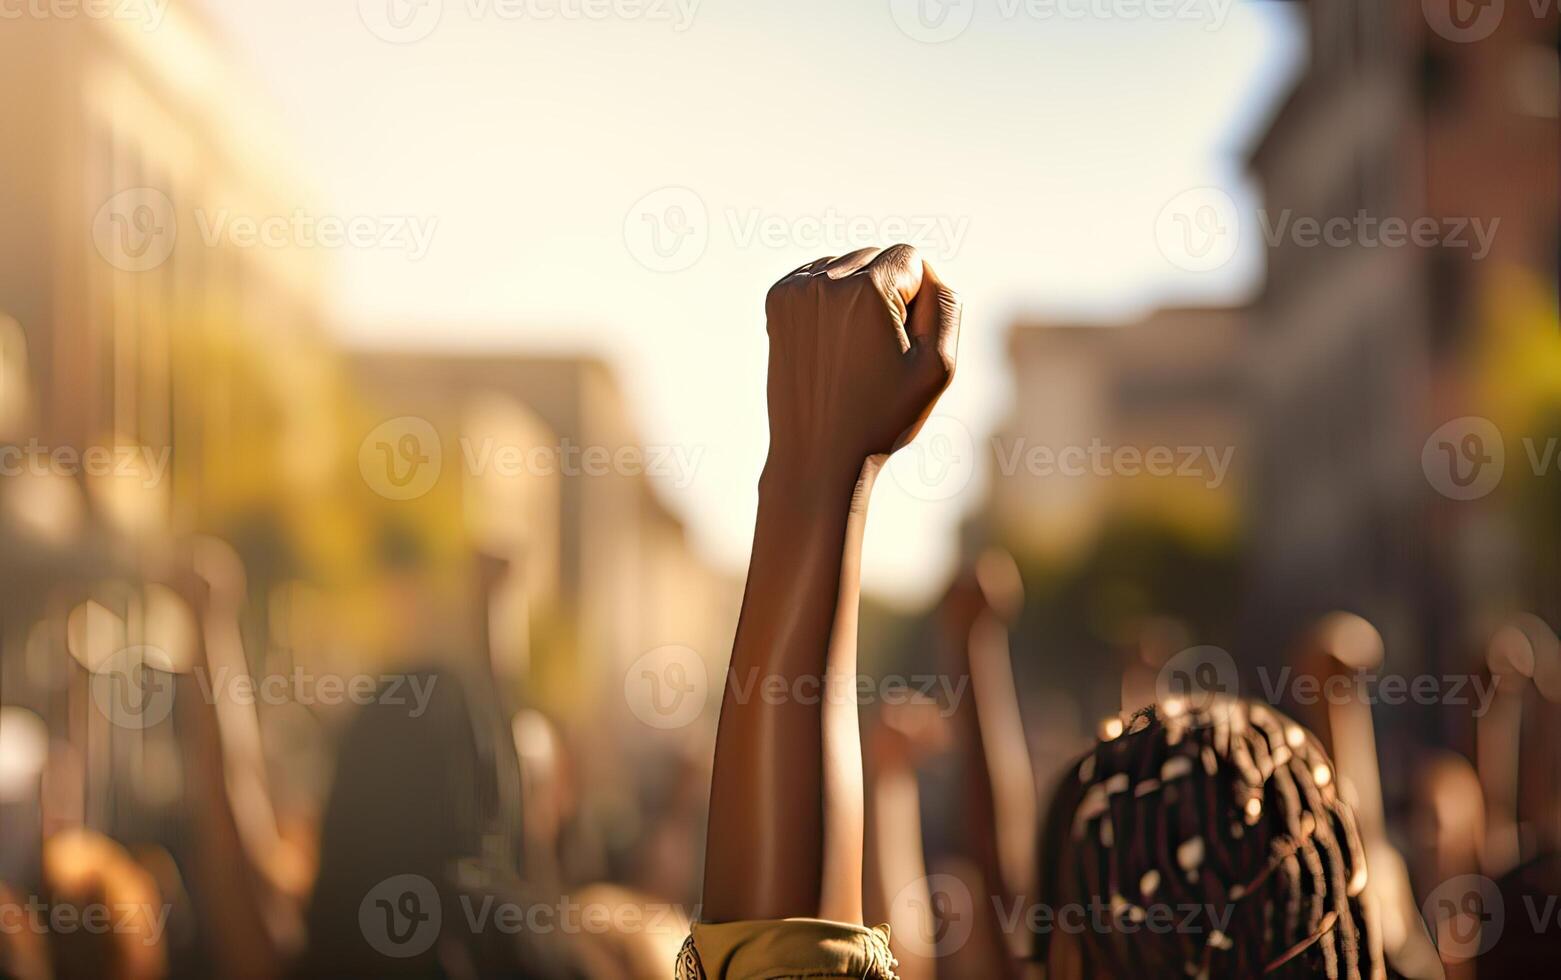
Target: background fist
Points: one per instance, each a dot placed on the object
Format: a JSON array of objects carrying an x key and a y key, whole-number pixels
[{"x": 861, "y": 346}]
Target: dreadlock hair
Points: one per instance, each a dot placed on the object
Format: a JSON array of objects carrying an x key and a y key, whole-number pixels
[{"x": 1206, "y": 840}]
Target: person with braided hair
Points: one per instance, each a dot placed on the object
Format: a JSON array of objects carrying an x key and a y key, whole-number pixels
[
  {"x": 1221, "y": 811},
  {"x": 1205, "y": 839}
]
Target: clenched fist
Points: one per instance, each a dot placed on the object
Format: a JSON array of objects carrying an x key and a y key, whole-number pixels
[{"x": 861, "y": 346}]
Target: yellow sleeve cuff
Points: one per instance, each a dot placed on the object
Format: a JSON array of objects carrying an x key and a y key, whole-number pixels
[{"x": 781, "y": 949}]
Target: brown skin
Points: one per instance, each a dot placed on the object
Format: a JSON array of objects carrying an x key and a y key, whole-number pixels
[
  {"x": 998, "y": 807},
  {"x": 234, "y": 889},
  {"x": 861, "y": 346},
  {"x": 901, "y": 739}
]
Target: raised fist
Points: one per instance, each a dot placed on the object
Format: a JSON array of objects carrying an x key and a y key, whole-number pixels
[{"x": 861, "y": 346}]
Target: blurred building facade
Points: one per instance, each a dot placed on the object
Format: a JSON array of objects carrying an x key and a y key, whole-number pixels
[
  {"x": 159, "y": 384},
  {"x": 558, "y": 489},
  {"x": 1154, "y": 389},
  {"x": 189, "y": 479},
  {"x": 1361, "y": 350},
  {"x": 1118, "y": 485},
  {"x": 1387, "y": 382}
]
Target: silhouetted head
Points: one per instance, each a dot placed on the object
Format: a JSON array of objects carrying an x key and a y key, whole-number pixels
[
  {"x": 1206, "y": 840},
  {"x": 420, "y": 825}
]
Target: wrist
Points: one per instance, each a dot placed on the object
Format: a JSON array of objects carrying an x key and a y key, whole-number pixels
[{"x": 809, "y": 485}]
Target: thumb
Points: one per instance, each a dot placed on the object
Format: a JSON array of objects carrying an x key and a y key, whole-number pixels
[{"x": 933, "y": 320}]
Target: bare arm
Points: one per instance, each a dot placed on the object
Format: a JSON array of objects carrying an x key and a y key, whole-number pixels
[
  {"x": 860, "y": 349},
  {"x": 998, "y": 811},
  {"x": 897, "y": 889}
]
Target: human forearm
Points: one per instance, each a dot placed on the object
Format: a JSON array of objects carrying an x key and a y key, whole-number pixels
[
  {"x": 861, "y": 346},
  {"x": 785, "y": 795},
  {"x": 998, "y": 794},
  {"x": 999, "y": 786}
]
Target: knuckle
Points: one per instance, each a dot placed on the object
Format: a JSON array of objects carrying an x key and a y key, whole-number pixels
[
  {"x": 782, "y": 293},
  {"x": 858, "y": 284},
  {"x": 894, "y": 260},
  {"x": 871, "y": 288}
]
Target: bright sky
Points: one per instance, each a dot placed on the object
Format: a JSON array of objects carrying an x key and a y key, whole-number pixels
[{"x": 1032, "y": 151}]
